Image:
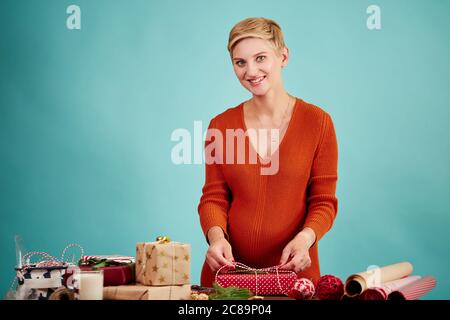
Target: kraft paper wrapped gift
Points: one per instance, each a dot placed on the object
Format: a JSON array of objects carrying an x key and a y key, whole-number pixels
[
  {"x": 163, "y": 263},
  {"x": 140, "y": 292}
]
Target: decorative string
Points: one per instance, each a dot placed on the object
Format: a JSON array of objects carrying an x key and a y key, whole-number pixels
[
  {"x": 13, "y": 282},
  {"x": 257, "y": 271},
  {"x": 49, "y": 260},
  {"x": 72, "y": 245},
  {"x": 173, "y": 271},
  {"x": 161, "y": 240},
  {"x": 144, "y": 262}
]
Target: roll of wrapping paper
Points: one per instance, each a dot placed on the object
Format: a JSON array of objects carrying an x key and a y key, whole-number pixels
[
  {"x": 415, "y": 290},
  {"x": 359, "y": 282},
  {"x": 382, "y": 292}
]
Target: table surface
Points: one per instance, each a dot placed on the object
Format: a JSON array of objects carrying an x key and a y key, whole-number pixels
[{"x": 277, "y": 298}]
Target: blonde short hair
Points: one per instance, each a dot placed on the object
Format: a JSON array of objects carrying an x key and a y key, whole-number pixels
[{"x": 256, "y": 28}]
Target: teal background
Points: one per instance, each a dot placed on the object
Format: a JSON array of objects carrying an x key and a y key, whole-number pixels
[{"x": 86, "y": 118}]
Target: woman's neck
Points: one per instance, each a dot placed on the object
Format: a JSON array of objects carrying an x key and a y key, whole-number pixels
[{"x": 272, "y": 105}]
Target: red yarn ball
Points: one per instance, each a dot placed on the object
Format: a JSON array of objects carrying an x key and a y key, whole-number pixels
[
  {"x": 302, "y": 289},
  {"x": 330, "y": 287}
]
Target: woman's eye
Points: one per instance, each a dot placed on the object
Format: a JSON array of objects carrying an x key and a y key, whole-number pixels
[
  {"x": 240, "y": 63},
  {"x": 260, "y": 58}
]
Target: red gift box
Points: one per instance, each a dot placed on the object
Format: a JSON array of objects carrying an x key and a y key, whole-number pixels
[
  {"x": 261, "y": 282},
  {"x": 116, "y": 275}
]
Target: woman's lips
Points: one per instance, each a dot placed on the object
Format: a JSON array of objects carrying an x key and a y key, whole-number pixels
[{"x": 256, "y": 81}]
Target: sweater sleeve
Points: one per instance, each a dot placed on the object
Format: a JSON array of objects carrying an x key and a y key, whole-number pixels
[
  {"x": 322, "y": 204},
  {"x": 215, "y": 199}
]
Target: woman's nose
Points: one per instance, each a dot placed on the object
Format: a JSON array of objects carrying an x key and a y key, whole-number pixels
[{"x": 252, "y": 70}]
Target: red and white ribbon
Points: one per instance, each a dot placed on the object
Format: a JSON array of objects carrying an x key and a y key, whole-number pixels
[
  {"x": 47, "y": 259},
  {"x": 113, "y": 258}
]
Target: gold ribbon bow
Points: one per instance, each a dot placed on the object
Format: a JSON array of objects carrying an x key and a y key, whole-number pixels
[{"x": 163, "y": 239}]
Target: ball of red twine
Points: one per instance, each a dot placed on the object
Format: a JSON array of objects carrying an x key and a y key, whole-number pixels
[
  {"x": 302, "y": 289},
  {"x": 330, "y": 287}
]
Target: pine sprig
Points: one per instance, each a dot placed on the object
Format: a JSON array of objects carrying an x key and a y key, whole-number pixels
[
  {"x": 97, "y": 263},
  {"x": 230, "y": 293}
]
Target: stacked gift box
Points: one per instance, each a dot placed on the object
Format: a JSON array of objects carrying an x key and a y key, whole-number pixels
[{"x": 162, "y": 272}]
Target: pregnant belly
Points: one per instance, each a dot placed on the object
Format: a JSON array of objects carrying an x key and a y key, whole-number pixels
[{"x": 257, "y": 239}]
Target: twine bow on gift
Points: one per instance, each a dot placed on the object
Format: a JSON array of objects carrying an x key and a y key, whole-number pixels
[{"x": 244, "y": 269}]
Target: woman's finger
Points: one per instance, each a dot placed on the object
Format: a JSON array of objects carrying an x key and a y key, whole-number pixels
[
  {"x": 285, "y": 256},
  {"x": 228, "y": 256},
  {"x": 213, "y": 265},
  {"x": 288, "y": 266},
  {"x": 220, "y": 259},
  {"x": 303, "y": 264},
  {"x": 296, "y": 264}
]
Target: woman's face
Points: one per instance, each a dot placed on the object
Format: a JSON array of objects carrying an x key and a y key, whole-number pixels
[{"x": 257, "y": 65}]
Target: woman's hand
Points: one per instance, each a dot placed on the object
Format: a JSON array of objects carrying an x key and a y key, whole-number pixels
[
  {"x": 295, "y": 255},
  {"x": 219, "y": 252}
]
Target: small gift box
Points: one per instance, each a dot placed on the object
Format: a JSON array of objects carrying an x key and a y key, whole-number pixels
[
  {"x": 117, "y": 270},
  {"x": 163, "y": 263},
  {"x": 39, "y": 280},
  {"x": 140, "y": 292},
  {"x": 38, "y": 283},
  {"x": 261, "y": 282}
]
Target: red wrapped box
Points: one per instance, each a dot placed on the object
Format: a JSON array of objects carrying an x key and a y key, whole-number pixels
[
  {"x": 116, "y": 275},
  {"x": 261, "y": 282},
  {"x": 117, "y": 270}
]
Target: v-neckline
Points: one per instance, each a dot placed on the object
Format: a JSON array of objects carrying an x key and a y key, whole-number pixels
[{"x": 269, "y": 156}]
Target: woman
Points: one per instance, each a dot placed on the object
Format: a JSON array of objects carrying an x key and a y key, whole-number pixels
[{"x": 258, "y": 219}]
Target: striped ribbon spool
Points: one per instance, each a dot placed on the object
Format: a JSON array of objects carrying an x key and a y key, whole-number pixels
[
  {"x": 248, "y": 269},
  {"x": 415, "y": 290}
]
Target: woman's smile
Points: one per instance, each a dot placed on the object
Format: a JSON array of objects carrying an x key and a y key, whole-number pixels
[{"x": 254, "y": 82}]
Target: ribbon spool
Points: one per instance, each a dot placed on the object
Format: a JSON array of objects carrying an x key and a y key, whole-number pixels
[{"x": 62, "y": 293}]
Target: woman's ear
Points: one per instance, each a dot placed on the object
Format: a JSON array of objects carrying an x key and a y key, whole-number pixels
[{"x": 284, "y": 57}]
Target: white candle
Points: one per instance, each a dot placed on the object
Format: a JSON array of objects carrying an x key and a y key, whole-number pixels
[{"x": 91, "y": 285}]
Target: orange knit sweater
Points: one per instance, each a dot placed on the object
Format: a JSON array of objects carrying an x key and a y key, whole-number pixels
[{"x": 260, "y": 214}]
